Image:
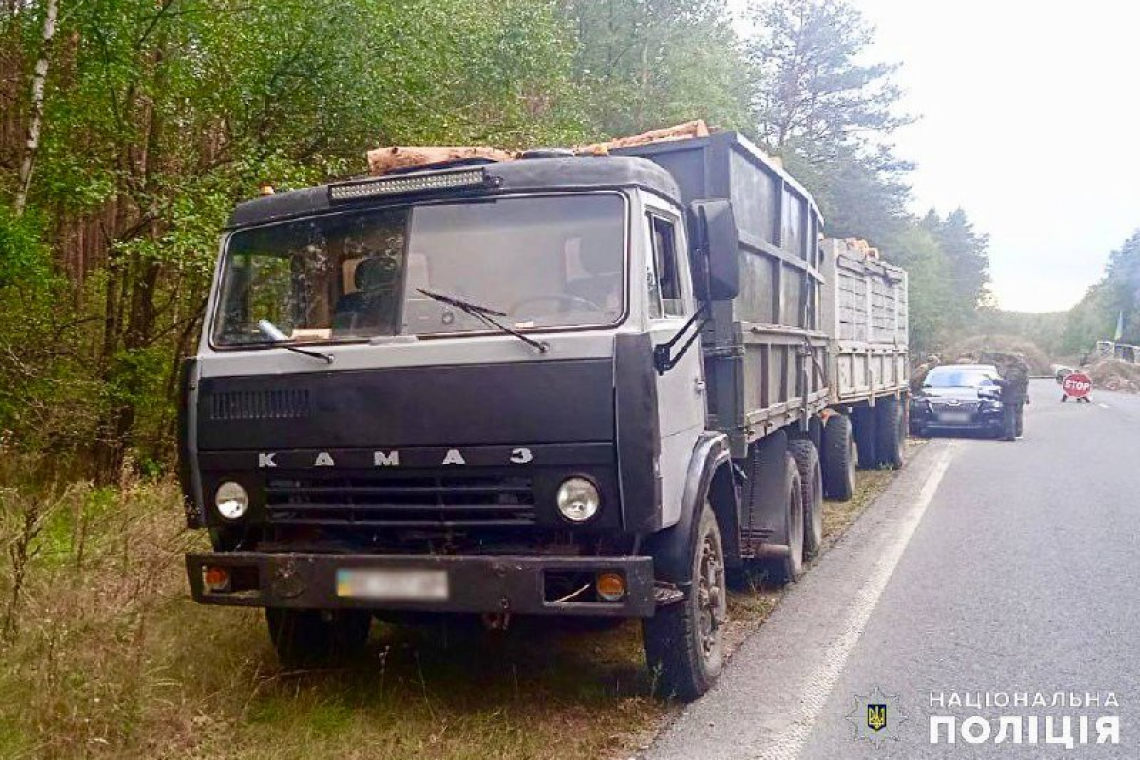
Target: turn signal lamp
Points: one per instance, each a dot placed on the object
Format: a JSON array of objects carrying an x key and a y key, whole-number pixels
[
  {"x": 217, "y": 579},
  {"x": 611, "y": 586}
]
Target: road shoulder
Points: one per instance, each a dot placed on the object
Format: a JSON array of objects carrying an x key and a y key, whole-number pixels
[{"x": 769, "y": 696}]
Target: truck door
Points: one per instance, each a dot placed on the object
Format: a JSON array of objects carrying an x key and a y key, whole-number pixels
[{"x": 681, "y": 390}]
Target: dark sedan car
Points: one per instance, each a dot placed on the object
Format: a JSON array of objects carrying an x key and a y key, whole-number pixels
[{"x": 958, "y": 397}]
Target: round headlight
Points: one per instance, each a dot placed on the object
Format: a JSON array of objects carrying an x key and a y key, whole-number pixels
[
  {"x": 578, "y": 499},
  {"x": 231, "y": 500}
]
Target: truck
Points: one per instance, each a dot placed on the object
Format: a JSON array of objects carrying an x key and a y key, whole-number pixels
[{"x": 559, "y": 385}]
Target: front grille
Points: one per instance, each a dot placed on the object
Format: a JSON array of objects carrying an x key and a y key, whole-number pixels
[
  {"x": 260, "y": 405},
  {"x": 401, "y": 501}
]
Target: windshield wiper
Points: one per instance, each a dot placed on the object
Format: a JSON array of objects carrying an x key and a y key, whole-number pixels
[
  {"x": 487, "y": 316},
  {"x": 280, "y": 339}
]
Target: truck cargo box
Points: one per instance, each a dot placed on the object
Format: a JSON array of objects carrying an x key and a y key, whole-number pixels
[
  {"x": 765, "y": 351},
  {"x": 865, "y": 311}
]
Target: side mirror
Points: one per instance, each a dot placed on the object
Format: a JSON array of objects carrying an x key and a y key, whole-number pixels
[{"x": 715, "y": 250}]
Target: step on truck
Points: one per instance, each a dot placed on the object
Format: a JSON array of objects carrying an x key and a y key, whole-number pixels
[{"x": 557, "y": 385}]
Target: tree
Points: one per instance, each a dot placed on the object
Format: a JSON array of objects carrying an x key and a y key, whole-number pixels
[
  {"x": 644, "y": 64},
  {"x": 43, "y": 60},
  {"x": 809, "y": 93},
  {"x": 828, "y": 115},
  {"x": 1117, "y": 294},
  {"x": 915, "y": 249},
  {"x": 157, "y": 117},
  {"x": 968, "y": 257},
  {"x": 1122, "y": 277}
]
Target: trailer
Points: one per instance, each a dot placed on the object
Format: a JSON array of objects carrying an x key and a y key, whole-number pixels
[{"x": 865, "y": 313}]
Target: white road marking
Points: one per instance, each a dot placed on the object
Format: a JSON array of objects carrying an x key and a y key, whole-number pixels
[
  {"x": 1102, "y": 405},
  {"x": 822, "y": 682}
]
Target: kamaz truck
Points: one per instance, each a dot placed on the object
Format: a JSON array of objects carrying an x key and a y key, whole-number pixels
[{"x": 562, "y": 385}]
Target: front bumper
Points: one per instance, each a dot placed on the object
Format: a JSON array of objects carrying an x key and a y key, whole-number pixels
[
  {"x": 931, "y": 419},
  {"x": 476, "y": 584}
]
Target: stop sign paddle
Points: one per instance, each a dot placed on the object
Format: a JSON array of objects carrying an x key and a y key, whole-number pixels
[{"x": 1077, "y": 385}]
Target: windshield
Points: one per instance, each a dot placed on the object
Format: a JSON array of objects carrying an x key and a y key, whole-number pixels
[
  {"x": 958, "y": 378},
  {"x": 544, "y": 262}
]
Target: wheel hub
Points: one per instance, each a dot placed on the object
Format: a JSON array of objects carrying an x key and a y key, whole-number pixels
[{"x": 710, "y": 596}]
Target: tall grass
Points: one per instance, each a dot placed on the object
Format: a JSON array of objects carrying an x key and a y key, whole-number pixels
[{"x": 105, "y": 656}]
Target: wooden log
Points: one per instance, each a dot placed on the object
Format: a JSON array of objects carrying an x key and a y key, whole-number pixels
[
  {"x": 686, "y": 131},
  {"x": 384, "y": 160}
]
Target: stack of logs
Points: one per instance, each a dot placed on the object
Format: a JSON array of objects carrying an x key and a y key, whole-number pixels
[{"x": 384, "y": 160}]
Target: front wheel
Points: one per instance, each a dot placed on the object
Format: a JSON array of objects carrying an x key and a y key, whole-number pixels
[
  {"x": 316, "y": 638},
  {"x": 683, "y": 641}
]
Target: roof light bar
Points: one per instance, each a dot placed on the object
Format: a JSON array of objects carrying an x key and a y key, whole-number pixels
[{"x": 405, "y": 184}]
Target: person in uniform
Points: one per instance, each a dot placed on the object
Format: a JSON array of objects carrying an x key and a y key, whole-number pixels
[
  {"x": 918, "y": 376},
  {"x": 1014, "y": 384}
]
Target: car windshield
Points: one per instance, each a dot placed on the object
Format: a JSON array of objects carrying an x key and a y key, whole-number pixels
[
  {"x": 958, "y": 378},
  {"x": 543, "y": 262}
]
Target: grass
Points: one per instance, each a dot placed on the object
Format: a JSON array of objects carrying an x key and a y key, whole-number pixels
[{"x": 105, "y": 656}]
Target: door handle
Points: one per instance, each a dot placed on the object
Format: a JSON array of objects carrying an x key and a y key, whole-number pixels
[{"x": 699, "y": 385}]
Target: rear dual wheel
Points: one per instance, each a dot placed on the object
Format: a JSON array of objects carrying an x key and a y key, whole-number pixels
[
  {"x": 880, "y": 434},
  {"x": 838, "y": 455},
  {"x": 890, "y": 432},
  {"x": 806, "y": 456},
  {"x": 789, "y": 567}
]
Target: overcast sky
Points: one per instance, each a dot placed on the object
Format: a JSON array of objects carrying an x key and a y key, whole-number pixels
[{"x": 1030, "y": 120}]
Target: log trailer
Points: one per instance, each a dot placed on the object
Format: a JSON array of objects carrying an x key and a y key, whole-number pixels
[{"x": 568, "y": 385}]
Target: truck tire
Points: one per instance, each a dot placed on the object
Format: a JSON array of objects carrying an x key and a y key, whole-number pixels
[
  {"x": 803, "y": 450},
  {"x": 316, "y": 638},
  {"x": 838, "y": 455},
  {"x": 890, "y": 433},
  {"x": 787, "y": 568},
  {"x": 684, "y": 646},
  {"x": 866, "y": 437}
]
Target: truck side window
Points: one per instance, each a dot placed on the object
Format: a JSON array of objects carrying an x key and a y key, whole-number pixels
[{"x": 668, "y": 275}]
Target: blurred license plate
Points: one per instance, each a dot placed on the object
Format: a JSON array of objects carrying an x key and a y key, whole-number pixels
[
  {"x": 404, "y": 585},
  {"x": 954, "y": 418}
]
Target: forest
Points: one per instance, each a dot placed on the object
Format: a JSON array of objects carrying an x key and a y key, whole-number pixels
[{"x": 130, "y": 128}]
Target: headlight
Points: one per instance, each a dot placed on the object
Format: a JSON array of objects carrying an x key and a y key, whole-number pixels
[
  {"x": 578, "y": 499},
  {"x": 231, "y": 500}
]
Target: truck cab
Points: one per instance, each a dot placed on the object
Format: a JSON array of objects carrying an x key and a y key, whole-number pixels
[{"x": 466, "y": 389}]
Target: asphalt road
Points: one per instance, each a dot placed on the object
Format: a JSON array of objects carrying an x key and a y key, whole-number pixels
[{"x": 986, "y": 568}]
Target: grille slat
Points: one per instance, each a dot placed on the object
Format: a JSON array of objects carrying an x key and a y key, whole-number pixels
[
  {"x": 516, "y": 523},
  {"x": 383, "y": 508},
  {"x": 400, "y": 500},
  {"x": 260, "y": 405},
  {"x": 394, "y": 490}
]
